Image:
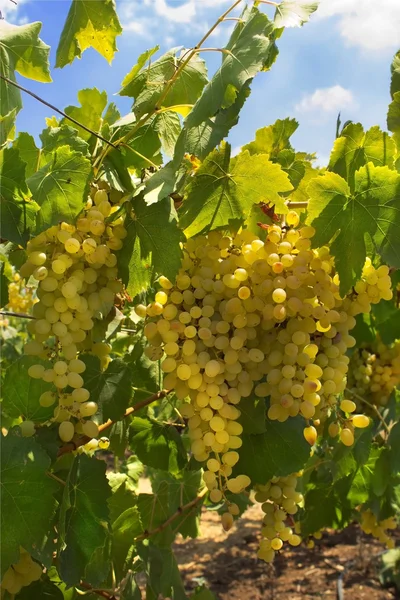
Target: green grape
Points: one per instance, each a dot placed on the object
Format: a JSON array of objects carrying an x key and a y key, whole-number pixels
[
  {"x": 66, "y": 431},
  {"x": 27, "y": 428}
]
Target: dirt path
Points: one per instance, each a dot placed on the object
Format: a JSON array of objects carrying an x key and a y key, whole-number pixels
[{"x": 227, "y": 564}]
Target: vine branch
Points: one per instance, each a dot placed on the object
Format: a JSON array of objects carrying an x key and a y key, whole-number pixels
[
  {"x": 101, "y": 593},
  {"x": 57, "y": 110},
  {"x": 70, "y": 447},
  {"x": 180, "y": 510},
  {"x": 8, "y": 313},
  {"x": 297, "y": 204},
  {"x": 373, "y": 407}
]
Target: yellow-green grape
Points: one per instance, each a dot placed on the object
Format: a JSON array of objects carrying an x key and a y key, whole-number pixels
[
  {"x": 348, "y": 406},
  {"x": 360, "y": 421},
  {"x": 379, "y": 529},
  {"x": 310, "y": 434},
  {"x": 27, "y": 428},
  {"x": 90, "y": 428},
  {"x": 66, "y": 431},
  {"x": 227, "y": 521},
  {"x": 347, "y": 436},
  {"x": 279, "y": 499}
]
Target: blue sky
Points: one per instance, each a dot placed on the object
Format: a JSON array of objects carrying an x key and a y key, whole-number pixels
[{"x": 339, "y": 61}]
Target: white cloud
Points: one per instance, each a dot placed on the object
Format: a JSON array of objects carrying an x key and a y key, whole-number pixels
[
  {"x": 373, "y": 25},
  {"x": 10, "y": 11},
  {"x": 326, "y": 100},
  {"x": 183, "y": 13}
]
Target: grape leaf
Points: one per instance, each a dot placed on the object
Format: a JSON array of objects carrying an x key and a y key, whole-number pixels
[
  {"x": 41, "y": 589},
  {"x": 111, "y": 389},
  {"x": 182, "y": 489},
  {"x": 147, "y": 85},
  {"x": 28, "y": 152},
  {"x": 202, "y": 139},
  {"x": 7, "y": 127},
  {"x": 154, "y": 511},
  {"x": 249, "y": 50},
  {"x": 372, "y": 209},
  {"x": 61, "y": 187},
  {"x": 131, "y": 589},
  {"x": 280, "y": 451},
  {"x": 21, "y": 51},
  {"x": 354, "y": 148},
  {"x": 223, "y": 192},
  {"x": 395, "y": 69},
  {"x": 21, "y": 393},
  {"x": 89, "y": 24},
  {"x": 163, "y": 579},
  {"x": 273, "y": 139},
  {"x": 156, "y": 445},
  {"x": 5, "y": 278},
  {"x": 141, "y": 62},
  {"x": 168, "y": 128},
  {"x": 125, "y": 529},
  {"x": 294, "y": 13},
  {"x": 252, "y": 415},
  {"x": 17, "y": 211},
  {"x": 89, "y": 113},
  {"x": 151, "y": 230},
  {"x": 144, "y": 148},
  {"x": 393, "y": 116},
  {"x": 84, "y": 517},
  {"x": 25, "y": 486},
  {"x": 146, "y": 373},
  {"x": 54, "y": 137}
]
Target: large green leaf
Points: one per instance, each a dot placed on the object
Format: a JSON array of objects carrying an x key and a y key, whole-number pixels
[
  {"x": 222, "y": 192},
  {"x": 252, "y": 415},
  {"x": 29, "y": 153},
  {"x": 146, "y": 374},
  {"x": 152, "y": 245},
  {"x": 157, "y": 445},
  {"x": 273, "y": 139},
  {"x": 17, "y": 211},
  {"x": 154, "y": 511},
  {"x": 144, "y": 148},
  {"x": 54, "y": 137},
  {"x": 354, "y": 148},
  {"x": 125, "y": 529},
  {"x": 163, "y": 577},
  {"x": 202, "y": 139},
  {"x": 111, "y": 389},
  {"x": 326, "y": 506},
  {"x": 182, "y": 489},
  {"x": 372, "y": 210},
  {"x": 25, "y": 488},
  {"x": 294, "y": 13},
  {"x": 147, "y": 85},
  {"x": 84, "y": 517},
  {"x": 21, "y": 51},
  {"x": 280, "y": 451},
  {"x": 89, "y": 24},
  {"x": 250, "y": 49},
  {"x": 89, "y": 113},
  {"x": 61, "y": 187},
  {"x": 7, "y": 127},
  {"x": 21, "y": 393},
  {"x": 395, "y": 69},
  {"x": 41, "y": 589},
  {"x": 168, "y": 127}
]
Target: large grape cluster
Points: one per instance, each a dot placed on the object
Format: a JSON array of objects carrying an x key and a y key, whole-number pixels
[
  {"x": 280, "y": 501},
  {"x": 75, "y": 266},
  {"x": 374, "y": 371},
  {"x": 247, "y": 316},
  {"x": 21, "y": 574},
  {"x": 379, "y": 529}
]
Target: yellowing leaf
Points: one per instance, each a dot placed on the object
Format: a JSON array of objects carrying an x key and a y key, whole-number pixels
[{"x": 89, "y": 24}]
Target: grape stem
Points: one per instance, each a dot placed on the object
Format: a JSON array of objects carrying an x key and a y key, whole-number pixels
[
  {"x": 57, "y": 110},
  {"x": 70, "y": 447},
  {"x": 373, "y": 407},
  {"x": 180, "y": 510},
  {"x": 102, "y": 593},
  {"x": 55, "y": 478},
  {"x": 8, "y": 313},
  {"x": 297, "y": 204}
]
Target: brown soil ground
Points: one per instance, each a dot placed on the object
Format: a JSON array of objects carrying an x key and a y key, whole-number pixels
[{"x": 226, "y": 563}]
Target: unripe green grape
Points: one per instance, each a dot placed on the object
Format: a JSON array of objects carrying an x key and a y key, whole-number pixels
[
  {"x": 90, "y": 428},
  {"x": 36, "y": 371},
  {"x": 27, "y": 428},
  {"x": 72, "y": 245},
  {"x": 51, "y": 315},
  {"x": 88, "y": 409},
  {"x": 37, "y": 258},
  {"x": 49, "y": 284},
  {"x": 66, "y": 431},
  {"x": 59, "y": 329},
  {"x": 69, "y": 290},
  {"x": 47, "y": 399},
  {"x": 80, "y": 394}
]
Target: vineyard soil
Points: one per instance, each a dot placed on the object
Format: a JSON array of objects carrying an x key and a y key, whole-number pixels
[{"x": 227, "y": 564}]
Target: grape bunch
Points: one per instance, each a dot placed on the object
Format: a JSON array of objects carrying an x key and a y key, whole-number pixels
[
  {"x": 21, "y": 574},
  {"x": 280, "y": 501},
  {"x": 374, "y": 371},
  {"x": 21, "y": 298},
  {"x": 379, "y": 529},
  {"x": 76, "y": 270}
]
